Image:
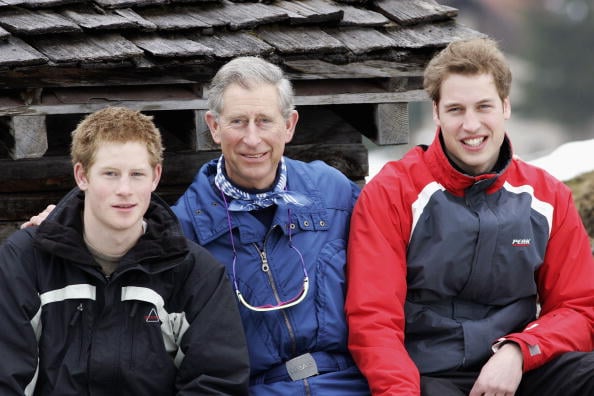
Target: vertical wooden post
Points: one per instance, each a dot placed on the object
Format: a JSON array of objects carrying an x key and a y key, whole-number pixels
[
  {"x": 391, "y": 120},
  {"x": 203, "y": 140},
  {"x": 27, "y": 136}
]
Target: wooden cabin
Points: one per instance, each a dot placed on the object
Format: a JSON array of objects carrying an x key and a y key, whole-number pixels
[{"x": 355, "y": 66}]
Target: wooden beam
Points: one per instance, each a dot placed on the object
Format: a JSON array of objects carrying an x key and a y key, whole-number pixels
[
  {"x": 49, "y": 174},
  {"x": 203, "y": 138},
  {"x": 382, "y": 123},
  {"x": 391, "y": 120},
  {"x": 201, "y": 104},
  {"x": 25, "y": 136}
]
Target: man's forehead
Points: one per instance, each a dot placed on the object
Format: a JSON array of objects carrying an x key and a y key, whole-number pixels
[{"x": 257, "y": 99}]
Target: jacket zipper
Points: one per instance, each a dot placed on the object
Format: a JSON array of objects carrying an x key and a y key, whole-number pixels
[
  {"x": 77, "y": 321},
  {"x": 266, "y": 269}
]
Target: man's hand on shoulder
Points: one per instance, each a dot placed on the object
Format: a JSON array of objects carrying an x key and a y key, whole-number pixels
[
  {"x": 502, "y": 373},
  {"x": 38, "y": 219}
]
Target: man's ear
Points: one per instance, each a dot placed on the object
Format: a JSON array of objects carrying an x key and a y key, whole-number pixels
[
  {"x": 290, "y": 125},
  {"x": 80, "y": 176},
  {"x": 213, "y": 126},
  {"x": 436, "y": 119},
  {"x": 157, "y": 172},
  {"x": 506, "y": 108}
]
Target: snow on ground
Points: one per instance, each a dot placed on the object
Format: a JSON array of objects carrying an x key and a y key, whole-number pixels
[{"x": 568, "y": 160}]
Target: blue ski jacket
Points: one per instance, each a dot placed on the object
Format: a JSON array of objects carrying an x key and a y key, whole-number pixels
[{"x": 268, "y": 271}]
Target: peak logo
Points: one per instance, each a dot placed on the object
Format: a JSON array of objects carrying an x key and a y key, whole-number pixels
[{"x": 521, "y": 242}]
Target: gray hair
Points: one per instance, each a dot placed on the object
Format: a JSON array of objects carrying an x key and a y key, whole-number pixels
[{"x": 247, "y": 72}]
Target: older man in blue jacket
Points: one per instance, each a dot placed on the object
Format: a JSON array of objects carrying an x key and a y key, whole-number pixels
[{"x": 280, "y": 226}]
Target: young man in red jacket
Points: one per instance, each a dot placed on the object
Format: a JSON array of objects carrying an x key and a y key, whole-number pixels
[{"x": 453, "y": 247}]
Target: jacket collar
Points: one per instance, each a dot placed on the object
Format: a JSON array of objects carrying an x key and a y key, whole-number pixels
[
  {"x": 210, "y": 215},
  {"x": 458, "y": 182},
  {"x": 161, "y": 247}
]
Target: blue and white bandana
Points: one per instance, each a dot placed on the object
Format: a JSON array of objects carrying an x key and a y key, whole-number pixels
[{"x": 245, "y": 201}]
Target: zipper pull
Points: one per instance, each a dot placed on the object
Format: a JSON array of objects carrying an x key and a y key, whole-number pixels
[
  {"x": 77, "y": 314},
  {"x": 265, "y": 266}
]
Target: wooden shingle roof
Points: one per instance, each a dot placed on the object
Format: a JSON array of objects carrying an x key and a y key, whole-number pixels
[
  {"x": 76, "y": 37},
  {"x": 355, "y": 66}
]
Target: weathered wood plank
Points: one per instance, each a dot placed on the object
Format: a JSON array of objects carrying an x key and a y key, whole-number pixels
[
  {"x": 406, "y": 86},
  {"x": 78, "y": 108},
  {"x": 129, "y": 3},
  {"x": 26, "y": 22},
  {"x": 193, "y": 104},
  {"x": 55, "y": 173},
  {"x": 34, "y": 4},
  {"x": 18, "y": 207},
  {"x": 173, "y": 46},
  {"x": 233, "y": 44},
  {"x": 297, "y": 68},
  {"x": 28, "y": 136},
  {"x": 410, "y": 12},
  {"x": 309, "y": 11},
  {"x": 3, "y": 34},
  {"x": 238, "y": 16},
  {"x": 50, "y": 174},
  {"x": 360, "y": 2},
  {"x": 15, "y": 51},
  {"x": 361, "y": 41},
  {"x": 202, "y": 138},
  {"x": 324, "y": 7},
  {"x": 434, "y": 35},
  {"x": 204, "y": 14},
  {"x": 317, "y": 69},
  {"x": 250, "y": 15},
  {"x": 177, "y": 18},
  {"x": 383, "y": 123},
  {"x": 301, "y": 40},
  {"x": 355, "y": 16},
  {"x": 135, "y": 18},
  {"x": 58, "y": 96},
  {"x": 89, "y": 48},
  {"x": 9, "y": 3},
  {"x": 89, "y": 18},
  {"x": 392, "y": 125}
]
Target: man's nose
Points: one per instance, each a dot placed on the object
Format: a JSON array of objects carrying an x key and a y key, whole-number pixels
[
  {"x": 123, "y": 187},
  {"x": 252, "y": 133},
  {"x": 471, "y": 121}
]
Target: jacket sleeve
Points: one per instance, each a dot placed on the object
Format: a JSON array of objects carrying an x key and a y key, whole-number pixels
[
  {"x": 19, "y": 307},
  {"x": 566, "y": 291},
  {"x": 216, "y": 359},
  {"x": 376, "y": 293}
]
